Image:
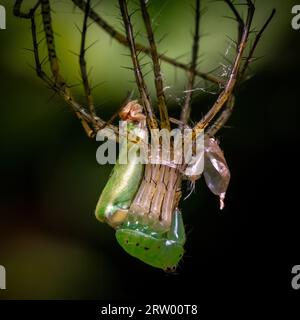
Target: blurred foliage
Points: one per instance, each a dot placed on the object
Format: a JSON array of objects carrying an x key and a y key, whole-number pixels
[{"x": 51, "y": 244}]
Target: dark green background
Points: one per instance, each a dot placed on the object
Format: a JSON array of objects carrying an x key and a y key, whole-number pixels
[{"x": 50, "y": 242}]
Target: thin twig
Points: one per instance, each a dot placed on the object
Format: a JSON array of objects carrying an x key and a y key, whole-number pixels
[{"x": 159, "y": 86}]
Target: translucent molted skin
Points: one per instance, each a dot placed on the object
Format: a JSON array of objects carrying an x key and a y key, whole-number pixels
[
  {"x": 162, "y": 250},
  {"x": 216, "y": 171},
  {"x": 157, "y": 197}
]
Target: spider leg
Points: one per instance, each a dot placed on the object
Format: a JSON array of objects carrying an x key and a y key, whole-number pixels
[
  {"x": 139, "y": 47},
  {"x": 186, "y": 108},
  {"x": 223, "y": 117},
  {"x": 144, "y": 95},
  {"x": 83, "y": 68},
  {"x": 26, "y": 15},
  {"x": 59, "y": 83},
  {"x": 225, "y": 114},
  {"x": 159, "y": 86},
  {"x": 231, "y": 83},
  {"x": 255, "y": 43},
  {"x": 238, "y": 18}
]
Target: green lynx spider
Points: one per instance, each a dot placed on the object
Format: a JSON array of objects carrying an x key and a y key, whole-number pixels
[{"x": 154, "y": 230}]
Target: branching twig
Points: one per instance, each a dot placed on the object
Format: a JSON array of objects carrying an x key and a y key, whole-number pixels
[{"x": 161, "y": 99}]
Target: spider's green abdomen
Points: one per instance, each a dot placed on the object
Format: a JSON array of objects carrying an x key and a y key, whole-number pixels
[
  {"x": 159, "y": 253},
  {"x": 160, "y": 250}
]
